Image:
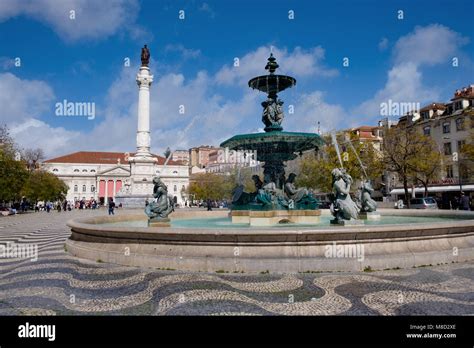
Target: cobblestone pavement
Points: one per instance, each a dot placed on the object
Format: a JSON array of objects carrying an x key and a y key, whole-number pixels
[{"x": 58, "y": 284}]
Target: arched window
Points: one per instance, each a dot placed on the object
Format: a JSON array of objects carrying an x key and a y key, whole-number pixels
[
  {"x": 92, "y": 170},
  {"x": 175, "y": 172},
  {"x": 55, "y": 170},
  {"x": 76, "y": 188},
  {"x": 76, "y": 170},
  {"x": 84, "y": 170},
  {"x": 84, "y": 188}
]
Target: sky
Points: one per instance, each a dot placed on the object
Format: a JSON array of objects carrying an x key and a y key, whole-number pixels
[{"x": 78, "y": 51}]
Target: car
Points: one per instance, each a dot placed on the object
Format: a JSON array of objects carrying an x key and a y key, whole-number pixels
[{"x": 423, "y": 203}]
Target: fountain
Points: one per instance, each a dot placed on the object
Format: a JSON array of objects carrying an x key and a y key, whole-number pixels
[
  {"x": 278, "y": 227},
  {"x": 276, "y": 199}
]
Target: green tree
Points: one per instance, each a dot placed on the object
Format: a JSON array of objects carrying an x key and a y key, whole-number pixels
[
  {"x": 13, "y": 173},
  {"x": 410, "y": 154},
  {"x": 315, "y": 169},
  {"x": 44, "y": 186}
]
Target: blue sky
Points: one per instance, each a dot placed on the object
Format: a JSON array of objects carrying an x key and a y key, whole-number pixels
[{"x": 82, "y": 60}]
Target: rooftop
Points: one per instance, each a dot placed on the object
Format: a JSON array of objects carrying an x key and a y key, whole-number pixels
[{"x": 97, "y": 157}]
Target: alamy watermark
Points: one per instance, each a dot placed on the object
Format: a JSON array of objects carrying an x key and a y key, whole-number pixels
[
  {"x": 238, "y": 157},
  {"x": 393, "y": 108},
  {"x": 19, "y": 251},
  {"x": 354, "y": 251},
  {"x": 80, "y": 109}
]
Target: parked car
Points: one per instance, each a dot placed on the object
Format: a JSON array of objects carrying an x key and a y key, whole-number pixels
[{"x": 423, "y": 203}]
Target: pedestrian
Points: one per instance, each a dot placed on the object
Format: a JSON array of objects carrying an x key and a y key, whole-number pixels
[
  {"x": 209, "y": 205},
  {"x": 464, "y": 202},
  {"x": 48, "y": 206},
  {"x": 111, "y": 207}
]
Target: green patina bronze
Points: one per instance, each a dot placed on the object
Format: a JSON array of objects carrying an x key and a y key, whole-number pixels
[{"x": 274, "y": 148}]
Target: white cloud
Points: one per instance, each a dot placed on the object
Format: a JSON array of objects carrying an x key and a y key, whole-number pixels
[
  {"x": 93, "y": 19},
  {"x": 311, "y": 108},
  {"x": 425, "y": 46},
  {"x": 22, "y": 99},
  {"x": 428, "y": 45},
  {"x": 300, "y": 63},
  {"x": 33, "y": 133}
]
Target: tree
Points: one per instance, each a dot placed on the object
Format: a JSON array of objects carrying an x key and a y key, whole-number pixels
[
  {"x": 44, "y": 186},
  {"x": 408, "y": 153},
  {"x": 315, "y": 169},
  {"x": 13, "y": 173},
  {"x": 33, "y": 158},
  {"x": 429, "y": 168}
]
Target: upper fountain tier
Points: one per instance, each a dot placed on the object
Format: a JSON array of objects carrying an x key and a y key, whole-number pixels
[{"x": 271, "y": 83}]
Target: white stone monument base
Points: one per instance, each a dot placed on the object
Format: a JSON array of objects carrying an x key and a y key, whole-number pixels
[{"x": 133, "y": 201}]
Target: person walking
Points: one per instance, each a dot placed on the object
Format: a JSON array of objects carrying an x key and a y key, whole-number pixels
[
  {"x": 111, "y": 207},
  {"x": 464, "y": 202},
  {"x": 209, "y": 205}
]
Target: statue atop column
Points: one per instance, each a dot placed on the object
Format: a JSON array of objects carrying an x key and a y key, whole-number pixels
[{"x": 145, "y": 56}]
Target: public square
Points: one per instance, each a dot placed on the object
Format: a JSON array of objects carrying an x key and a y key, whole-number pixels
[{"x": 58, "y": 284}]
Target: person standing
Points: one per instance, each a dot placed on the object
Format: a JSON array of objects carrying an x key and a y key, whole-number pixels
[
  {"x": 111, "y": 207},
  {"x": 464, "y": 202},
  {"x": 209, "y": 205}
]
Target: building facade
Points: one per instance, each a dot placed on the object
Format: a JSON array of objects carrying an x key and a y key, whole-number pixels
[
  {"x": 103, "y": 175},
  {"x": 451, "y": 126}
]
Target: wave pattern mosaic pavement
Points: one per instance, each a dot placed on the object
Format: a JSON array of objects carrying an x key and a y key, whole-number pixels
[{"x": 59, "y": 284}]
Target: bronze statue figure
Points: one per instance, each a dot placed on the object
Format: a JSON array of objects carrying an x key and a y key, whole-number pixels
[
  {"x": 162, "y": 205},
  {"x": 145, "y": 56},
  {"x": 343, "y": 207}
]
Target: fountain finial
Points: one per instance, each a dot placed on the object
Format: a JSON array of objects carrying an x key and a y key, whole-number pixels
[{"x": 272, "y": 65}]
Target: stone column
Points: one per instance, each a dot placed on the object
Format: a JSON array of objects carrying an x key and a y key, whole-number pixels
[
  {"x": 106, "y": 198},
  {"x": 144, "y": 80}
]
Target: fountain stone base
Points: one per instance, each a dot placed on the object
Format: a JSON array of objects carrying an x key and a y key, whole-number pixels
[
  {"x": 275, "y": 217},
  {"x": 159, "y": 222}
]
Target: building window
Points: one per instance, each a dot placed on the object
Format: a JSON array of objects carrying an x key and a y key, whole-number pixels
[
  {"x": 76, "y": 188},
  {"x": 92, "y": 170},
  {"x": 84, "y": 189},
  {"x": 175, "y": 172},
  {"x": 84, "y": 170},
  {"x": 55, "y": 170},
  {"x": 175, "y": 188},
  {"x": 183, "y": 188},
  {"x": 449, "y": 172},
  {"x": 92, "y": 188},
  {"x": 76, "y": 170},
  {"x": 425, "y": 115},
  {"x": 461, "y": 143},
  {"x": 447, "y": 149},
  {"x": 427, "y": 131},
  {"x": 460, "y": 124},
  {"x": 446, "y": 127},
  {"x": 458, "y": 105}
]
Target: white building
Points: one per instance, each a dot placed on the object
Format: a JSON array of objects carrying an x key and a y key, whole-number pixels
[{"x": 101, "y": 175}]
